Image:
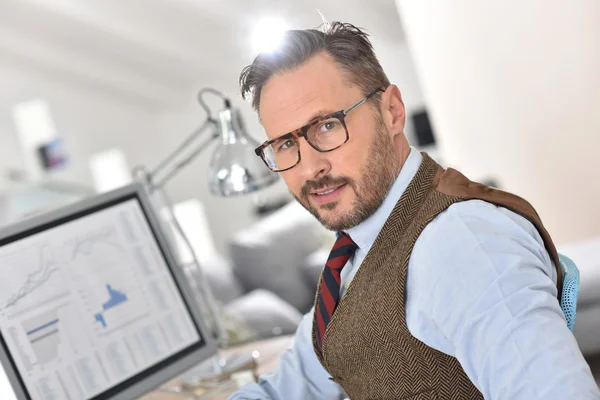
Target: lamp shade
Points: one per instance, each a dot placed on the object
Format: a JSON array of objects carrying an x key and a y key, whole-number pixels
[{"x": 234, "y": 167}]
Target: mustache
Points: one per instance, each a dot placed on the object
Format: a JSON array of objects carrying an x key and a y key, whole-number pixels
[{"x": 322, "y": 183}]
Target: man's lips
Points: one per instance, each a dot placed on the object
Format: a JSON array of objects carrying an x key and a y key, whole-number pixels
[
  {"x": 327, "y": 195},
  {"x": 325, "y": 191}
]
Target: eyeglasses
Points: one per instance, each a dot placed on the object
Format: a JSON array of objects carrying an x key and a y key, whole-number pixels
[{"x": 323, "y": 134}]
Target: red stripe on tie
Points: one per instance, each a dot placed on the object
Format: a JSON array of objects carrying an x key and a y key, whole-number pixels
[
  {"x": 338, "y": 262},
  {"x": 344, "y": 240},
  {"x": 327, "y": 298}
]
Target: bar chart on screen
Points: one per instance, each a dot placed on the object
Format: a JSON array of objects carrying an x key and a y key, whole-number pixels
[
  {"x": 114, "y": 307},
  {"x": 48, "y": 336},
  {"x": 44, "y": 336},
  {"x": 115, "y": 299},
  {"x": 107, "y": 279}
]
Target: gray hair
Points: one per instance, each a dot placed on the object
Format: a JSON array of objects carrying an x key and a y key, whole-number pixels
[{"x": 348, "y": 45}]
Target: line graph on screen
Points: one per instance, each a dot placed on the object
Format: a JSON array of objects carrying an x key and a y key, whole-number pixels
[{"x": 38, "y": 272}]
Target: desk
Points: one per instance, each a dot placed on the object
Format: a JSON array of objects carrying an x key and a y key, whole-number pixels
[{"x": 269, "y": 351}]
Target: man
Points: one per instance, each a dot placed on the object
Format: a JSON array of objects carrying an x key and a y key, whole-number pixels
[{"x": 437, "y": 287}]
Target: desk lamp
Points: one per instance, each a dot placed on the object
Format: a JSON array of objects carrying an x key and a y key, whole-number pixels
[{"x": 234, "y": 169}]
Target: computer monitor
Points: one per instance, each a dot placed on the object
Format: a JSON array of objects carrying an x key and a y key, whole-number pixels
[{"x": 92, "y": 303}]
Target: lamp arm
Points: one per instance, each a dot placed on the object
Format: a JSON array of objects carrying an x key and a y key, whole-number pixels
[
  {"x": 210, "y": 121},
  {"x": 180, "y": 165},
  {"x": 171, "y": 156},
  {"x": 216, "y": 93}
]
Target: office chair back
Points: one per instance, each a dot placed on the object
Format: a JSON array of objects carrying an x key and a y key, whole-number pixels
[{"x": 570, "y": 289}]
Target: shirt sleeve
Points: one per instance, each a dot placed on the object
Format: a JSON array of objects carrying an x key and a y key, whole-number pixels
[
  {"x": 300, "y": 375},
  {"x": 483, "y": 289}
]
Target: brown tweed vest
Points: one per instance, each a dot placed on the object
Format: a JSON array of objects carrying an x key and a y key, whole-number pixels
[{"x": 367, "y": 347}]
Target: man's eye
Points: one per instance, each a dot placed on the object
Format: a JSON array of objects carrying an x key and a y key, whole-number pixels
[
  {"x": 286, "y": 145},
  {"x": 328, "y": 126}
]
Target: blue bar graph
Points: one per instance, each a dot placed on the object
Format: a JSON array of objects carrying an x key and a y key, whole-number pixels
[
  {"x": 39, "y": 328},
  {"x": 115, "y": 298}
]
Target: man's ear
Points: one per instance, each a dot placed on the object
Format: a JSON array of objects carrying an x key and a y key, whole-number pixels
[{"x": 392, "y": 110}]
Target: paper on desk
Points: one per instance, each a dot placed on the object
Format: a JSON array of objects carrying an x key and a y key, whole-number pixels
[{"x": 243, "y": 377}]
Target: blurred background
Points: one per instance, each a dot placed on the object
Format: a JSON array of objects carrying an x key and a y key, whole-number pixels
[
  {"x": 507, "y": 92},
  {"x": 116, "y": 81}
]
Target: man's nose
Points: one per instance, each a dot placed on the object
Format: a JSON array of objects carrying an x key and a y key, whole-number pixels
[{"x": 313, "y": 164}]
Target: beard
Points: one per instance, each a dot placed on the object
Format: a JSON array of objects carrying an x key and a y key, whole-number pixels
[{"x": 371, "y": 188}]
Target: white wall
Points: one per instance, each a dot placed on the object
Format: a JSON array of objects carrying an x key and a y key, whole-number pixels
[
  {"x": 88, "y": 121},
  {"x": 397, "y": 62},
  {"x": 514, "y": 92}
]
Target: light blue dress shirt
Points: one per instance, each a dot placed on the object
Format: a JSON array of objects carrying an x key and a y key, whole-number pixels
[{"x": 482, "y": 288}]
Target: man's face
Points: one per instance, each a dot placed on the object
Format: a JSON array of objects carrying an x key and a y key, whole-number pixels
[{"x": 343, "y": 187}]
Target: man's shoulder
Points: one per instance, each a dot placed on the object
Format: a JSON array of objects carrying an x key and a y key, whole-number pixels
[
  {"x": 473, "y": 216},
  {"x": 476, "y": 226},
  {"x": 468, "y": 232},
  {"x": 472, "y": 246}
]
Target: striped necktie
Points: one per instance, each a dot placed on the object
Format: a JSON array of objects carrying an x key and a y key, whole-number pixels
[{"x": 329, "y": 295}]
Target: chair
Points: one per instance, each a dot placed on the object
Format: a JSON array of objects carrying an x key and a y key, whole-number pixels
[{"x": 570, "y": 289}]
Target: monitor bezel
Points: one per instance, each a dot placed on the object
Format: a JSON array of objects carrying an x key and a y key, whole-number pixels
[{"x": 152, "y": 377}]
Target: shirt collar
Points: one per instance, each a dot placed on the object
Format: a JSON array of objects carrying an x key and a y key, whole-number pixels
[{"x": 365, "y": 233}]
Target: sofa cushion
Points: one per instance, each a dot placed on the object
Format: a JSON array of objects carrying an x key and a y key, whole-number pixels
[
  {"x": 270, "y": 254},
  {"x": 313, "y": 266},
  {"x": 218, "y": 272},
  {"x": 265, "y": 314}
]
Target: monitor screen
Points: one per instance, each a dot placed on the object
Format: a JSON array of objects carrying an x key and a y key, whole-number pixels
[{"x": 88, "y": 304}]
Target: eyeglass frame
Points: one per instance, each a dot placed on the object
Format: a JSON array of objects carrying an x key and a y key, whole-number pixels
[{"x": 303, "y": 131}]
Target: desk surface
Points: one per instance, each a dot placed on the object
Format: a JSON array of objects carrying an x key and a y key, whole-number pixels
[{"x": 269, "y": 351}]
